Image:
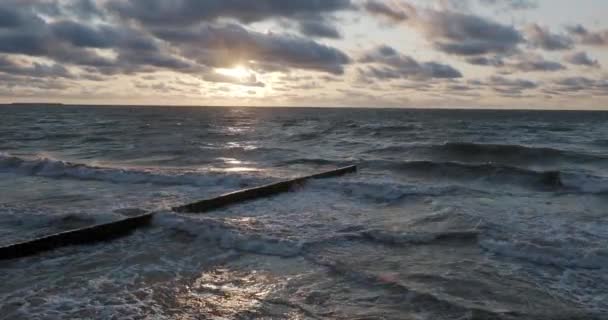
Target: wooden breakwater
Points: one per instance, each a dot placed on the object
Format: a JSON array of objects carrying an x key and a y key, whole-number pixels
[
  {"x": 120, "y": 228},
  {"x": 89, "y": 235},
  {"x": 258, "y": 192}
]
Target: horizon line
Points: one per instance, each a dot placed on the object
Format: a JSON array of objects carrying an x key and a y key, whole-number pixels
[{"x": 458, "y": 108}]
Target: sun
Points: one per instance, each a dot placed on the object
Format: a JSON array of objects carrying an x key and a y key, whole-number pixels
[{"x": 237, "y": 72}]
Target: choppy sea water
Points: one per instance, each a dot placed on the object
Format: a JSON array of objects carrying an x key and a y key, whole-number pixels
[{"x": 453, "y": 214}]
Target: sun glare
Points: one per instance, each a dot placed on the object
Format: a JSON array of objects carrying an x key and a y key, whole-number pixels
[{"x": 237, "y": 72}]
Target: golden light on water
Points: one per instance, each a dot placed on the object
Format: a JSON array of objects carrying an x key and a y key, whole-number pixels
[{"x": 226, "y": 294}]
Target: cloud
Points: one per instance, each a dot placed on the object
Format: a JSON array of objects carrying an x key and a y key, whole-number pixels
[
  {"x": 230, "y": 44},
  {"x": 505, "y": 86},
  {"x": 80, "y": 9},
  {"x": 494, "y": 61},
  {"x": 71, "y": 42},
  {"x": 581, "y": 58},
  {"x": 590, "y": 38},
  {"x": 466, "y": 34},
  {"x": 577, "y": 84},
  {"x": 540, "y": 37},
  {"x": 453, "y": 29},
  {"x": 250, "y": 81},
  {"x": 532, "y": 62},
  {"x": 33, "y": 69},
  {"x": 512, "y": 4},
  {"x": 319, "y": 29},
  {"x": 191, "y": 12},
  {"x": 522, "y": 62},
  {"x": 21, "y": 31},
  {"x": 384, "y": 62},
  {"x": 189, "y": 49},
  {"x": 499, "y": 5},
  {"x": 393, "y": 11},
  {"x": 81, "y": 35}
]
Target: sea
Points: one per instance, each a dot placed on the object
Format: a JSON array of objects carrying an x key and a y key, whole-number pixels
[{"x": 453, "y": 214}]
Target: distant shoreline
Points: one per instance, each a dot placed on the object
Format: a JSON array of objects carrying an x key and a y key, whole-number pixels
[{"x": 50, "y": 104}]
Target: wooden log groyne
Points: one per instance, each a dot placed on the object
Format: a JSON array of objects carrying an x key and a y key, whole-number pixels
[
  {"x": 258, "y": 192},
  {"x": 89, "y": 235},
  {"x": 117, "y": 229}
]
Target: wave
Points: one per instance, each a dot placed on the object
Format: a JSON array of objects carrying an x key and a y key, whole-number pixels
[
  {"x": 226, "y": 236},
  {"x": 386, "y": 130},
  {"x": 510, "y": 152},
  {"x": 513, "y": 154},
  {"x": 306, "y": 136},
  {"x": 57, "y": 169},
  {"x": 388, "y": 238},
  {"x": 439, "y": 302},
  {"x": 562, "y": 181},
  {"x": 558, "y": 256},
  {"x": 463, "y": 171},
  {"x": 387, "y": 192},
  {"x": 601, "y": 142},
  {"x": 312, "y": 161}
]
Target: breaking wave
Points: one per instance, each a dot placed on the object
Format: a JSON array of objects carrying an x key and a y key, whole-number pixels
[
  {"x": 57, "y": 169},
  {"x": 511, "y": 152},
  {"x": 455, "y": 170}
]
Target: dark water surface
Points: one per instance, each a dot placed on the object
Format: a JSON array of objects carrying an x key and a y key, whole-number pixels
[{"x": 453, "y": 215}]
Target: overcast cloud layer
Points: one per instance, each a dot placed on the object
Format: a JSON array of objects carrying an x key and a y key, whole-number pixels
[{"x": 441, "y": 53}]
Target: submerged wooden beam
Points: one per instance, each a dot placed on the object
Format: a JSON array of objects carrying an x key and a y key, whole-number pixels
[
  {"x": 87, "y": 235},
  {"x": 258, "y": 192}
]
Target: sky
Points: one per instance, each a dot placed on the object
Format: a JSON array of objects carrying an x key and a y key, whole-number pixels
[{"x": 338, "y": 53}]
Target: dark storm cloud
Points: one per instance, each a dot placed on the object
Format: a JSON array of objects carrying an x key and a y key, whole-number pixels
[
  {"x": 14, "y": 17},
  {"x": 230, "y": 44},
  {"x": 581, "y": 58},
  {"x": 587, "y": 37},
  {"x": 21, "y": 31},
  {"x": 540, "y": 37},
  {"x": 189, "y": 12},
  {"x": 386, "y": 63},
  {"x": 23, "y": 43}
]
